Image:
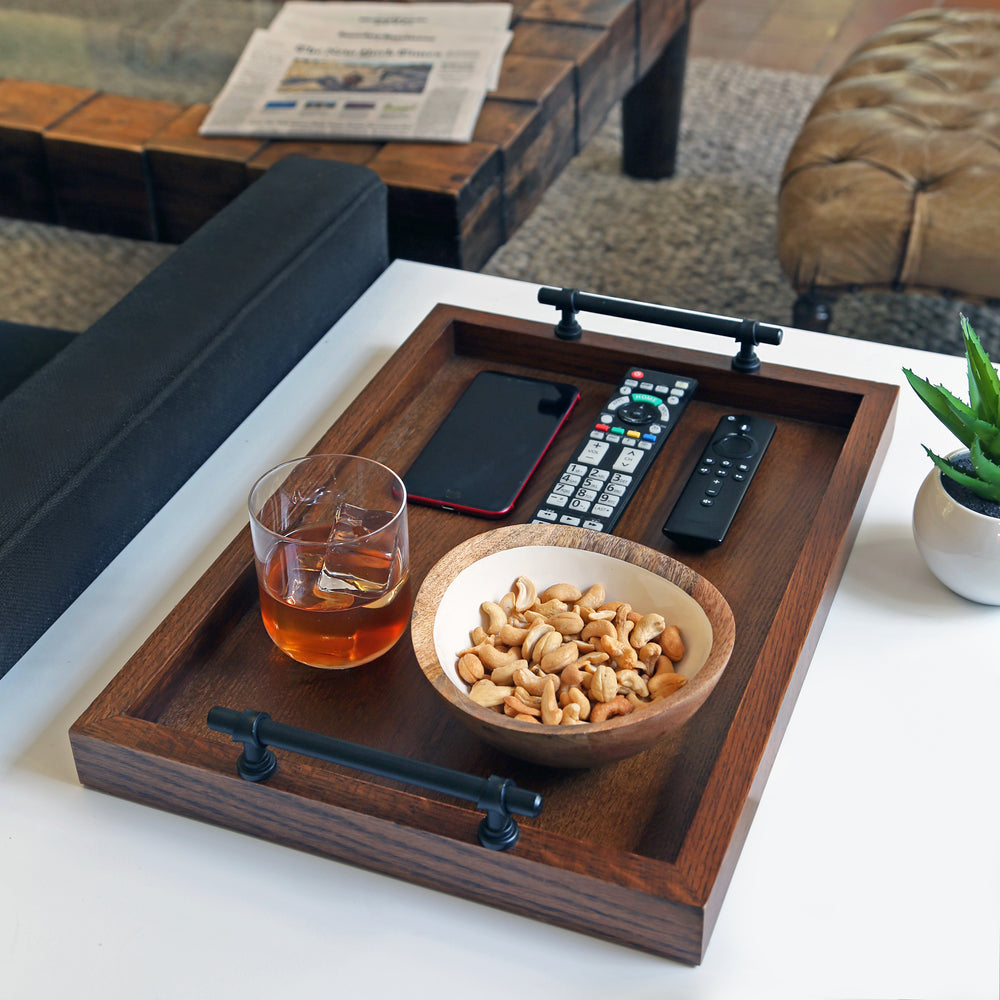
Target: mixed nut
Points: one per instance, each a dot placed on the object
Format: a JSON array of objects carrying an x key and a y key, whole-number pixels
[{"x": 566, "y": 656}]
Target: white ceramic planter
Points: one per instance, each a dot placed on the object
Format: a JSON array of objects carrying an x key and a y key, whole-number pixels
[{"x": 960, "y": 546}]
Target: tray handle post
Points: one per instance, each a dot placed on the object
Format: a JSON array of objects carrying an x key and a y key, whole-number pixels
[
  {"x": 748, "y": 333},
  {"x": 499, "y": 797}
]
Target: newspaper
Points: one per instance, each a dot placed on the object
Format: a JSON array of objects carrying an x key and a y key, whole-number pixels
[{"x": 374, "y": 71}]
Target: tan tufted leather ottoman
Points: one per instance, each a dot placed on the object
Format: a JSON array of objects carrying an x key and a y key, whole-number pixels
[{"x": 894, "y": 180}]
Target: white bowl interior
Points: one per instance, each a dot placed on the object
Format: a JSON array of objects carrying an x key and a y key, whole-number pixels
[{"x": 489, "y": 578}]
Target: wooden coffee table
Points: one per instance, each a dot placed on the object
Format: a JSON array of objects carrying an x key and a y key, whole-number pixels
[{"x": 137, "y": 167}]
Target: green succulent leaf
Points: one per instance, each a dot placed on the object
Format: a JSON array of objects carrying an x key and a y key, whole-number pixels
[
  {"x": 984, "y": 383},
  {"x": 948, "y": 408},
  {"x": 987, "y": 491},
  {"x": 987, "y": 470}
]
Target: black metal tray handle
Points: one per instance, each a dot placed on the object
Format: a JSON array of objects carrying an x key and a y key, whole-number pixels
[{"x": 498, "y": 797}]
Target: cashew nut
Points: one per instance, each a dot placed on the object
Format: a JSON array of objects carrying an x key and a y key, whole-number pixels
[
  {"x": 604, "y": 684},
  {"x": 646, "y": 629},
  {"x": 564, "y": 592},
  {"x": 470, "y": 668},
  {"x": 562, "y": 656},
  {"x": 673, "y": 645},
  {"x": 488, "y": 694},
  {"x": 592, "y": 597},
  {"x": 551, "y": 712},
  {"x": 496, "y": 617},
  {"x": 609, "y": 709},
  {"x": 662, "y": 684},
  {"x": 525, "y": 593}
]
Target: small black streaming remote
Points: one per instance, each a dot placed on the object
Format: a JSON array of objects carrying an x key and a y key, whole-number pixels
[
  {"x": 596, "y": 486},
  {"x": 709, "y": 501}
]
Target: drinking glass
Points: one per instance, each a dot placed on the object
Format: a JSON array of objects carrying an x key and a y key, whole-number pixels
[{"x": 332, "y": 555}]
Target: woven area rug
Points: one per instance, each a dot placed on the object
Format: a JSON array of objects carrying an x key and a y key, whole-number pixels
[{"x": 703, "y": 239}]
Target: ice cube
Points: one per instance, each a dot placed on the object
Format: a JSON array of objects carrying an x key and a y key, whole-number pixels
[{"x": 365, "y": 569}]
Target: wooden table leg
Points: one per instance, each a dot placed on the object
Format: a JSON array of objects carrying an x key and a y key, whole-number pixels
[{"x": 651, "y": 113}]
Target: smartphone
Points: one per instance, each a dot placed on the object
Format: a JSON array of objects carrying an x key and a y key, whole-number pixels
[{"x": 488, "y": 445}]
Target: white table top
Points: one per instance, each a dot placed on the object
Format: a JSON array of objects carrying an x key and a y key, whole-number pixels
[{"x": 871, "y": 869}]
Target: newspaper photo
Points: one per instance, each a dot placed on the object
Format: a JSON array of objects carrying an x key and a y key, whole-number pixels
[{"x": 365, "y": 71}]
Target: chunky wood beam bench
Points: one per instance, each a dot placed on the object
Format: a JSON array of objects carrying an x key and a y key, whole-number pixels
[{"x": 137, "y": 167}]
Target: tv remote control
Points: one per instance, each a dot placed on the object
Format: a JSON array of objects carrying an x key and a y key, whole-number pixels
[
  {"x": 713, "y": 493},
  {"x": 596, "y": 486}
]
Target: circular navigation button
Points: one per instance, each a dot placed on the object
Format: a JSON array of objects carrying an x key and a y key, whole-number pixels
[
  {"x": 638, "y": 413},
  {"x": 736, "y": 446}
]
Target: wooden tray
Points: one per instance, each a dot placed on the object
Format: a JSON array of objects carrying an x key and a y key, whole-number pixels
[{"x": 639, "y": 852}]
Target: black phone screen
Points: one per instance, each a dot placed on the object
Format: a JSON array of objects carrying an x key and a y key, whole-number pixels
[{"x": 481, "y": 456}]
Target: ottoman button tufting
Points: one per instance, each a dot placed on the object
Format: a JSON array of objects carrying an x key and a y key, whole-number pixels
[{"x": 894, "y": 180}]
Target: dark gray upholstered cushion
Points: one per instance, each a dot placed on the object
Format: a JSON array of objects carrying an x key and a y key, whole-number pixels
[
  {"x": 97, "y": 440},
  {"x": 24, "y": 349}
]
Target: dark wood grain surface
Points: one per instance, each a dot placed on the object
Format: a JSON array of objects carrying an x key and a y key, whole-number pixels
[{"x": 639, "y": 851}]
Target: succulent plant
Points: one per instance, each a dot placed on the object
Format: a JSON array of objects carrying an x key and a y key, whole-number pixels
[{"x": 976, "y": 424}]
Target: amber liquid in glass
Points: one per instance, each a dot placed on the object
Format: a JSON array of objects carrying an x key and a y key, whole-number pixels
[{"x": 342, "y": 628}]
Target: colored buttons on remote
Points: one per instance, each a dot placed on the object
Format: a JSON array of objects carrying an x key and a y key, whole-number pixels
[{"x": 612, "y": 459}]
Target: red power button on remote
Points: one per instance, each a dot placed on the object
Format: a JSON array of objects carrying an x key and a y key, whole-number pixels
[{"x": 637, "y": 374}]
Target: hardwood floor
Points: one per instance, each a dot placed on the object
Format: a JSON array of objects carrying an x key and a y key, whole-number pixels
[{"x": 809, "y": 36}]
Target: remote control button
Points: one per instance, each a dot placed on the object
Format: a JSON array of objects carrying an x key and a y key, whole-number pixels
[
  {"x": 614, "y": 438},
  {"x": 567, "y": 519},
  {"x": 594, "y": 452},
  {"x": 547, "y": 515},
  {"x": 736, "y": 446},
  {"x": 599, "y": 474},
  {"x": 563, "y": 489},
  {"x": 637, "y": 373},
  {"x": 707, "y": 501},
  {"x": 577, "y": 504},
  {"x": 592, "y": 483},
  {"x": 602, "y": 511},
  {"x": 587, "y": 494},
  {"x": 597, "y": 436},
  {"x": 632, "y": 434},
  {"x": 570, "y": 479},
  {"x": 577, "y": 470},
  {"x": 602, "y": 427},
  {"x": 665, "y": 413},
  {"x": 594, "y": 525},
  {"x": 555, "y": 500},
  {"x": 628, "y": 460},
  {"x": 618, "y": 403},
  {"x": 621, "y": 479},
  {"x": 615, "y": 489}
]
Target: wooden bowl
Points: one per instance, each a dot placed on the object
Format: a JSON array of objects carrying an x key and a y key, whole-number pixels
[{"x": 485, "y": 567}]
